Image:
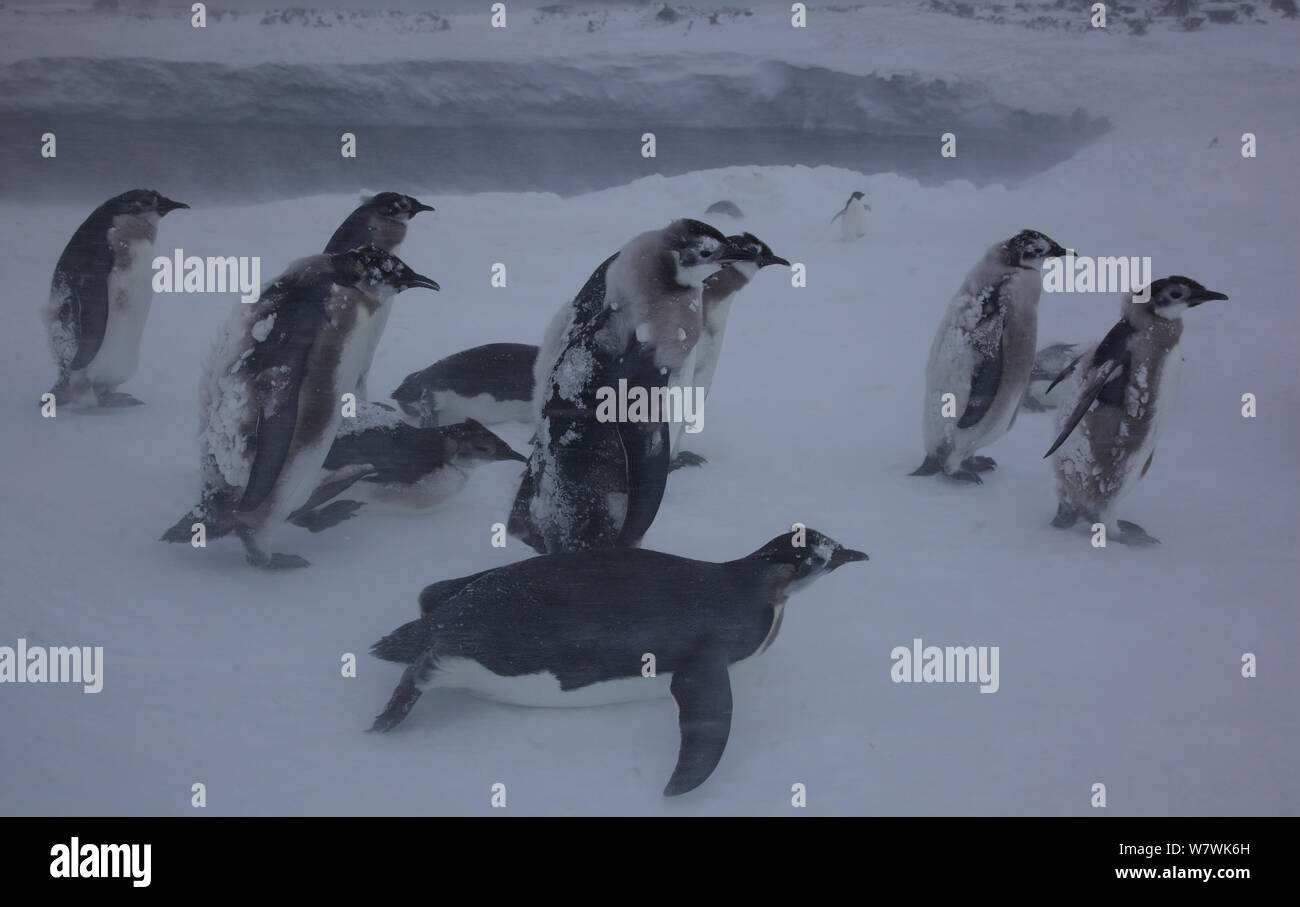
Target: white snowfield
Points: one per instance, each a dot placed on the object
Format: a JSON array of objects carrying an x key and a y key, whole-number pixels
[{"x": 1118, "y": 666}]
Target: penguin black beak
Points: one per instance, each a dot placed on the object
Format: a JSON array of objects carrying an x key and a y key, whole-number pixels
[
  {"x": 419, "y": 280},
  {"x": 418, "y": 207},
  {"x": 844, "y": 556},
  {"x": 1204, "y": 296},
  {"x": 515, "y": 456},
  {"x": 1057, "y": 251},
  {"x": 765, "y": 260},
  {"x": 166, "y": 204}
]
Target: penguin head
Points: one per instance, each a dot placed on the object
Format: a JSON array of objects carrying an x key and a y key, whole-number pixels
[
  {"x": 858, "y": 197},
  {"x": 1028, "y": 248},
  {"x": 761, "y": 251},
  {"x": 698, "y": 250},
  {"x": 147, "y": 203},
  {"x": 370, "y": 267},
  {"x": 470, "y": 445},
  {"x": 798, "y": 565},
  {"x": 1171, "y": 296},
  {"x": 394, "y": 205}
]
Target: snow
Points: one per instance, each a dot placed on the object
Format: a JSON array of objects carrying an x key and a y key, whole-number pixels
[{"x": 1119, "y": 665}]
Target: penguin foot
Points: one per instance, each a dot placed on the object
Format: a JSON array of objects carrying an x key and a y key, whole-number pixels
[
  {"x": 1065, "y": 517},
  {"x": 966, "y": 475},
  {"x": 328, "y": 516},
  {"x": 928, "y": 468},
  {"x": 280, "y": 562},
  {"x": 1133, "y": 534},
  {"x": 979, "y": 464},
  {"x": 119, "y": 399},
  {"x": 686, "y": 458}
]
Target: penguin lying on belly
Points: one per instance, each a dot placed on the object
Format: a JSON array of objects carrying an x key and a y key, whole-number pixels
[
  {"x": 573, "y": 629},
  {"x": 394, "y": 467}
]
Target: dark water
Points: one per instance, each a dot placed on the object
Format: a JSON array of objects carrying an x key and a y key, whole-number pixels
[{"x": 211, "y": 163}]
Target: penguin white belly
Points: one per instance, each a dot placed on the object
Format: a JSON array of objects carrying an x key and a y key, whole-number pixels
[
  {"x": 394, "y": 498},
  {"x": 854, "y": 222},
  {"x": 130, "y": 295},
  {"x": 302, "y": 468},
  {"x": 485, "y": 408},
  {"x": 378, "y": 322},
  {"x": 1155, "y": 391},
  {"x": 684, "y": 378},
  {"x": 542, "y": 689}
]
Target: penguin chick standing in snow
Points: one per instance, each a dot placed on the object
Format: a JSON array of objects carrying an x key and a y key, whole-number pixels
[
  {"x": 379, "y": 221},
  {"x": 271, "y": 395},
  {"x": 490, "y": 384},
  {"x": 1115, "y": 403},
  {"x": 854, "y": 214},
  {"x": 719, "y": 292},
  {"x": 573, "y": 630},
  {"x": 407, "y": 469},
  {"x": 982, "y": 356},
  {"x": 593, "y": 483},
  {"x": 100, "y": 298}
]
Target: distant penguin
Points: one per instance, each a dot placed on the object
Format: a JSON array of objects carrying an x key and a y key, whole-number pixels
[
  {"x": 854, "y": 217},
  {"x": 724, "y": 207},
  {"x": 380, "y": 221},
  {"x": 982, "y": 356},
  {"x": 271, "y": 398},
  {"x": 720, "y": 291},
  {"x": 574, "y": 629},
  {"x": 1116, "y": 400},
  {"x": 1048, "y": 363},
  {"x": 490, "y": 384},
  {"x": 406, "y": 469},
  {"x": 100, "y": 297},
  {"x": 592, "y": 483}
]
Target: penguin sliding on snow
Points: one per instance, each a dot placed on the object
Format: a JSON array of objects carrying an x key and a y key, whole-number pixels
[
  {"x": 1049, "y": 362},
  {"x": 490, "y": 384},
  {"x": 593, "y": 483},
  {"x": 574, "y": 629},
  {"x": 379, "y": 221},
  {"x": 100, "y": 298},
  {"x": 982, "y": 357},
  {"x": 407, "y": 469},
  {"x": 1116, "y": 397},
  {"x": 854, "y": 214},
  {"x": 271, "y": 398}
]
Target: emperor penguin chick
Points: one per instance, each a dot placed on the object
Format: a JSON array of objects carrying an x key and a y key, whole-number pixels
[
  {"x": 982, "y": 355},
  {"x": 271, "y": 396},
  {"x": 593, "y": 483},
  {"x": 1116, "y": 396},
  {"x": 100, "y": 298},
  {"x": 380, "y": 220}
]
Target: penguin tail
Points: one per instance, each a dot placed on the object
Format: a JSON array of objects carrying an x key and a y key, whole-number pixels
[
  {"x": 405, "y": 644},
  {"x": 931, "y": 465}
]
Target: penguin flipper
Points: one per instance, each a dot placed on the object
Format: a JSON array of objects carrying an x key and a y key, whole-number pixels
[
  {"x": 1106, "y": 372},
  {"x": 647, "y": 451},
  {"x": 984, "y": 383},
  {"x": 276, "y": 370},
  {"x": 84, "y": 267},
  {"x": 702, "y": 689}
]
